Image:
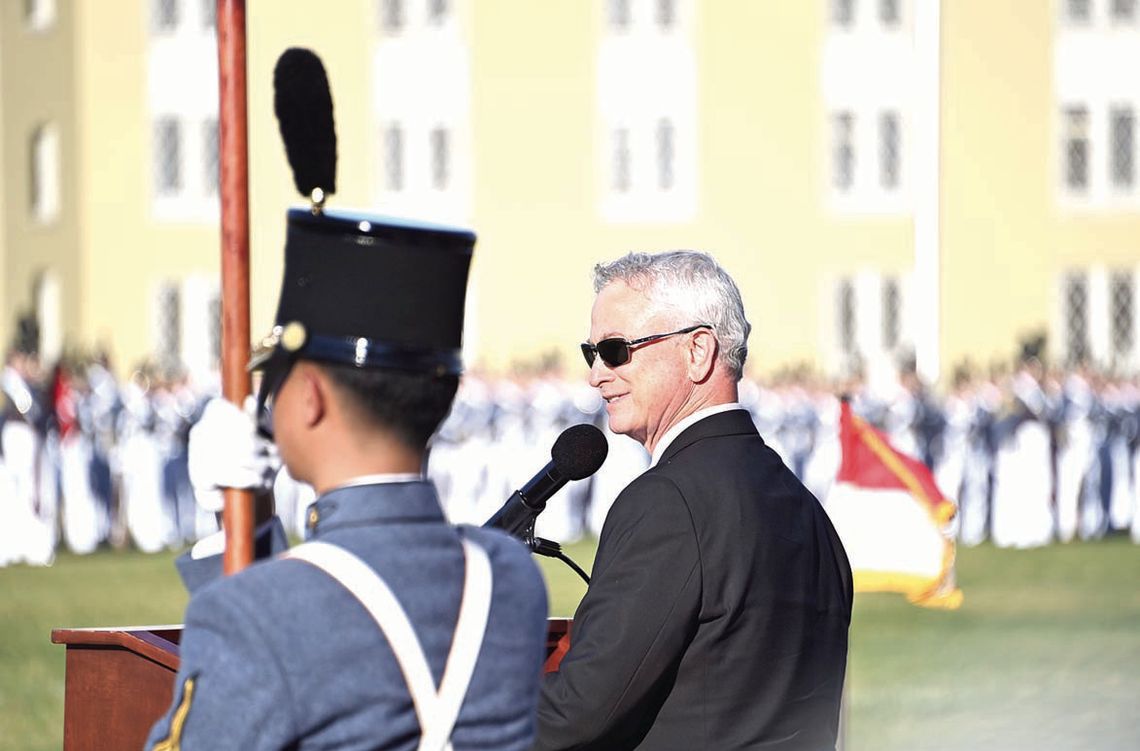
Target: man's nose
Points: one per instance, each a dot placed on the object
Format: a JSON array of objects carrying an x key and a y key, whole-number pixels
[{"x": 599, "y": 373}]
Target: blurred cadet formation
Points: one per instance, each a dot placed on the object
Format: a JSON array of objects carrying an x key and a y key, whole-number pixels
[{"x": 1031, "y": 455}]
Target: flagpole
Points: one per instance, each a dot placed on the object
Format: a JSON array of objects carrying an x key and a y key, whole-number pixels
[{"x": 238, "y": 513}]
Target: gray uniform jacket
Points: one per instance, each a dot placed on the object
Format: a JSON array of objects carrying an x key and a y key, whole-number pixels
[{"x": 281, "y": 656}]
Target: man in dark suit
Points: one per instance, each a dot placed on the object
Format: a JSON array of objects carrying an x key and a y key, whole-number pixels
[{"x": 718, "y": 611}]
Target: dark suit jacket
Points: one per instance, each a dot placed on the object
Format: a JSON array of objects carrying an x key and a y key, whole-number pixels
[{"x": 718, "y": 611}]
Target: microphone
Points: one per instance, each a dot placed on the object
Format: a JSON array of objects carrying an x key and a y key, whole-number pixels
[{"x": 577, "y": 454}]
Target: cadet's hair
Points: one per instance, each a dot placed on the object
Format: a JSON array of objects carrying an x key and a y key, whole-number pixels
[
  {"x": 693, "y": 284},
  {"x": 411, "y": 406}
]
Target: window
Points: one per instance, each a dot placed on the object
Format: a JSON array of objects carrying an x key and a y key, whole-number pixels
[
  {"x": 621, "y": 160},
  {"x": 168, "y": 156},
  {"x": 1123, "y": 10},
  {"x": 619, "y": 15},
  {"x": 214, "y": 327},
  {"x": 1076, "y": 148},
  {"x": 1078, "y": 11},
  {"x": 1122, "y": 147},
  {"x": 843, "y": 150},
  {"x": 165, "y": 15},
  {"x": 394, "y": 158},
  {"x": 1076, "y": 319},
  {"x": 44, "y": 188},
  {"x": 889, "y": 12},
  {"x": 168, "y": 325},
  {"x": 892, "y": 313},
  {"x": 1121, "y": 298},
  {"x": 666, "y": 14},
  {"x": 391, "y": 15},
  {"x": 665, "y": 154},
  {"x": 440, "y": 157},
  {"x": 39, "y": 15},
  {"x": 846, "y": 316},
  {"x": 210, "y": 162},
  {"x": 209, "y": 14},
  {"x": 843, "y": 13},
  {"x": 889, "y": 150},
  {"x": 437, "y": 11}
]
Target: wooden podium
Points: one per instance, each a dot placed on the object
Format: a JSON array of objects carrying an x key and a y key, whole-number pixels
[{"x": 119, "y": 681}]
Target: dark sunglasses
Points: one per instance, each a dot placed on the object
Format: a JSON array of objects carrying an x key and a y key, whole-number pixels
[{"x": 617, "y": 351}]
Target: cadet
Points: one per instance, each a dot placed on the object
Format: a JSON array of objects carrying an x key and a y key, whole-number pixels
[{"x": 389, "y": 628}]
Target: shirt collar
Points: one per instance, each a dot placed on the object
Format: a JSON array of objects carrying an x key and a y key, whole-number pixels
[
  {"x": 672, "y": 433},
  {"x": 379, "y": 479}
]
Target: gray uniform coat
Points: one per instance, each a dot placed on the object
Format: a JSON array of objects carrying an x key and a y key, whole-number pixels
[{"x": 281, "y": 656}]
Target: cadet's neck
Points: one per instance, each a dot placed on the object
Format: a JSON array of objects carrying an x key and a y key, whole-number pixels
[{"x": 354, "y": 454}]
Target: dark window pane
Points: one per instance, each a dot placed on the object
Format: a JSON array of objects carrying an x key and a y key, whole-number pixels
[
  {"x": 843, "y": 13},
  {"x": 843, "y": 150},
  {"x": 889, "y": 12},
  {"x": 169, "y": 326},
  {"x": 1121, "y": 293},
  {"x": 889, "y": 150},
  {"x": 437, "y": 11},
  {"x": 168, "y": 156},
  {"x": 892, "y": 313},
  {"x": 1122, "y": 147},
  {"x": 391, "y": 15},
  {"x": 1076, "y": 148},
  {"x": 1123, "y": 10},
  {"x": 440, "y": 158},
  {"x": 846, "y": 316},
  {"x": 619, "y": 14},
  {"x": 210, "y": 152},
  {"x": 1076, "y": 319},
  {"x": 665, "y": 154},
  {"x": 394, "y": 158},
  {"x": 166, "y": 15},
  {"x": 1078, "y": 10},
  {"x": 621, "y": 160}
]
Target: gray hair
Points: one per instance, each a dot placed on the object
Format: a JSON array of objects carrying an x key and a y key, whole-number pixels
[{"x": 694, "y": 285}]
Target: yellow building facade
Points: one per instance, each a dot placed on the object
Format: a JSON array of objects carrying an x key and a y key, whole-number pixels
[{"x": 880, "y": 177}]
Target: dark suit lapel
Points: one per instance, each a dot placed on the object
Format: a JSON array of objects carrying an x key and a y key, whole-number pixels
[{"x": 733, "y": 422}]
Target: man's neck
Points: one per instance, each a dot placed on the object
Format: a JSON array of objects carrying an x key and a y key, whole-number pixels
[
  {"x": 702, "y": 399},
  {"x": 681, "y": 426}
]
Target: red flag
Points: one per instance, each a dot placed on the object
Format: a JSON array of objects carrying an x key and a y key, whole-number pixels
[{"x": 892, "y": 518}]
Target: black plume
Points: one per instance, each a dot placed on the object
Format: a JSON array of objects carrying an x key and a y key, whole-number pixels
[{"x": 304, "y": 110}]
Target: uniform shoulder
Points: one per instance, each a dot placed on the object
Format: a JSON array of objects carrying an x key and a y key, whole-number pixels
[
  {"x": 244, "y": 588},
  {"x": 513, "y": 566}
]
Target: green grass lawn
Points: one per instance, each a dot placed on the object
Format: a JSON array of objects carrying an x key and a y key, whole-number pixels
[{"x": 1044, "y": 654}]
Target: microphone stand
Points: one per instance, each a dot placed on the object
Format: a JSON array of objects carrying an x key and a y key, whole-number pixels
[{"x": 550, "y": 549}]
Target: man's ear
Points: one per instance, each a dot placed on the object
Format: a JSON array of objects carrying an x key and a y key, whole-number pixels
[
  {"x": 702, "y": 353},
  {"x": 314, "y": 394}
]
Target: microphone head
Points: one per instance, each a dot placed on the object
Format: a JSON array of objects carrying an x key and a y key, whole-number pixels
[{"x": 579, "y": 451}]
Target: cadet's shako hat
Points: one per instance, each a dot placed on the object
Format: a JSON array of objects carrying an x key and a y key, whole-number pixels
[
  {"x": 358, "y": 289},
  {"x": 373, "y": 292}
]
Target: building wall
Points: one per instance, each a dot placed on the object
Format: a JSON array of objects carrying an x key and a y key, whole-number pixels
[
  {"x": 37, "y": 81},
  {"x": 1006, "y": 237},
  {"x": 764, "y": 203}
]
